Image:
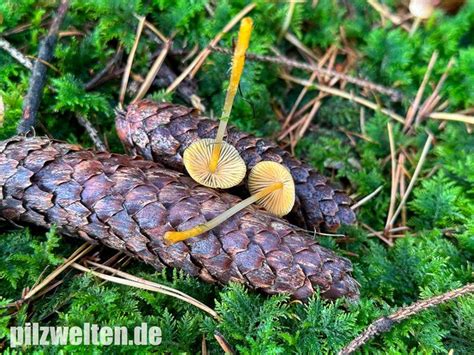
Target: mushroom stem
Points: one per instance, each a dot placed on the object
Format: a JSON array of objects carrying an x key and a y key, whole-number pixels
[
  {"x": 172, "y": 237},
  {"x": 237, "y": 69}
]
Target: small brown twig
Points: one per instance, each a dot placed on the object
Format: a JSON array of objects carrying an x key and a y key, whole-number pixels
[
  {"x": 385, "y": 13},
  {"x": 38, "y": 286},
  {"x": 452, "y": 117},
  {"x": 92, "y": 132},
  {"x": 394, "y": 185},
  {"x": 126, "y": 279},
  {"x": 301, "y": 47},
  {"x": 414, "y": 178},
  {"x": 384, "y": 324},
  {"x": 315, "y": 103},
  {"x": 431, "y": 102},
  {"x": 223, "y": 343},
  {"x": 367, "y": 198},
  {"x": 290, "y": 63},
  {"x": 38, "y": 75},
  {"x": 26, "y": 26},
  {"x": 379, "y": 235},
  {"x": 288, "y": 17},
  {"x": 131, "y": 56},
  {"x": 201, "y": 57},
  {"x": 345, "y": 95},
  {"x": 419, "y": 95},
  {"x": 107, "y": 70},
  {"x": 153, "y": 72}
]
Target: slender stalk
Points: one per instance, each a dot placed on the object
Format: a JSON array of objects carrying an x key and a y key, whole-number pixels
[
  {"x": 237, "y": 69},
  {"x": 174, "y": 237}
]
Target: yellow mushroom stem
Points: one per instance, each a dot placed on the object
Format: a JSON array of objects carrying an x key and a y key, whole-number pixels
[
  {"x": 172, "y": 237},
  {"x": 237, "y": 69}
]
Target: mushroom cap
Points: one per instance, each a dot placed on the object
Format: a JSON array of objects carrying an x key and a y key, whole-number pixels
[
  {"x": 231, "y": 168},
  {"x": 279, "y": 202},
  {"x": 421, "y": 8}
]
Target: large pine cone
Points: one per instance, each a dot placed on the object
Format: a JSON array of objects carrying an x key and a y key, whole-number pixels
[
  {"x": 128, "y": 204},
  {"x": 161, "y": 132}
]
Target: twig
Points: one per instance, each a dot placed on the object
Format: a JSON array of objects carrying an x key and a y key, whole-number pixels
[
  {"x": 204, "y": 346},
  {"x": 343, "y": 94},
  {"x": 366, "y": 198},
  {"x": 394, "y": 186},
  {"x": 419, "y": 95},
  {"x": 153, "y": 29},
  {"x": 199, "y": 59},
  {"x": 384, "y": 324},
  {"x": 148, "y": 285},
  {"x": 15, "y": 53},
  {"x": 290, "y": 63},
  {"x": 298, "y": 44},
  {"x": 392, "y": 230},
  {"x": 26, "y": 26},
  {"x": 288, "y": 17},
  {"x": 378, "y": 234},
  {"x": 385, "y": 13},
  {"x": 223, "y": 343},
  {"x": 304, "y": 90},
  {"x": 401, "y": 166},
  {"x": 78, "y": 253},
  {"x": 150, "y": 77},
  {"x": 362, "y": 121},
  {"x": 93, "y": 134},
  {"x": 431, "y": 102},
  {"x": 452, "y": 117},
  {"x": 227, "y": 28},
  {"x": 131, "y": 56},
  {"x": 107, "y": 69},
  {"x": 315, "y": 103},
  {"x": 38, "y": 75},
  {"x": 296, "y": 104},
  {"x": 424, "y": 153}
]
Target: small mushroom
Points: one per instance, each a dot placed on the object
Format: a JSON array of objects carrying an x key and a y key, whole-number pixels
[
  {"x": 422, "y": 9},
  {"x": 271, "y": 186},
  {"x": 215, "y": 157},
  {"x": 230, "y": 170}
]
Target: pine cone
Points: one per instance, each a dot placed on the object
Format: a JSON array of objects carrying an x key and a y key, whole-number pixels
[
  {"x": 161, "y": 132},
  {"x": 128, "y": 204}
]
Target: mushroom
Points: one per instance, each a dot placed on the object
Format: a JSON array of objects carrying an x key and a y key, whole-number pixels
[
  {"x": 271, "y": 186},
  {"x": 213, "y": 162},
  {"x": 230, "y": 171},
  {"x": 421, "y": 9}
]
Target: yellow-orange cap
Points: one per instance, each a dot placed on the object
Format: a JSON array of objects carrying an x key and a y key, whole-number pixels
[
  {"x": 264, "y": 174},
  {"x": 230, "y": 171}
]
